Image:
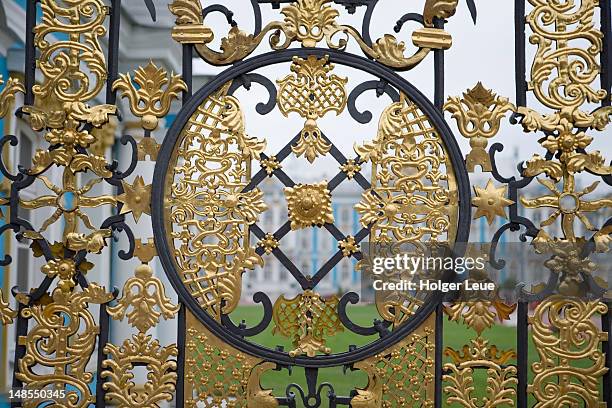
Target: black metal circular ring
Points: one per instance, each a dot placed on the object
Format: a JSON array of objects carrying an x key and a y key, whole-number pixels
[{"x": 158, "y": 202}]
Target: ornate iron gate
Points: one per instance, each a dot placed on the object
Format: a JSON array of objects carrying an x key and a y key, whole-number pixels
[{"x": 205, "y": 202}]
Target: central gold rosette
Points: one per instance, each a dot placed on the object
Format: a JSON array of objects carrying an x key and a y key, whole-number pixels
[{"x": 309, "y": 205}]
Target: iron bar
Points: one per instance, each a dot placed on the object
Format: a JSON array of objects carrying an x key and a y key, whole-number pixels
[
  {"x": 522, "y": 348},
  {"x": 113, "y": 51},
  {"x": 519, "y": 53},
  {"x": 439, "y": 343},
  {"x": 180, "y": 361},
  {"x": 606, "y": 53},
  {"x": 30, "y": 52}
]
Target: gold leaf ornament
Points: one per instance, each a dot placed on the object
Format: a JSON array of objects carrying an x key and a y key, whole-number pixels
[
  {"x": 149, "y": 100},
  {"x": 143, "y": 301},
  {"x": 7, "y": 95}
]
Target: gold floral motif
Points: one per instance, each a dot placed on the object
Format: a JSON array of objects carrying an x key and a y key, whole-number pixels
[
  {"x": 348, "y": 246},
  {"x": 480, "y": 350},
  {"x": 568, "y": 205},
  {"x": 270, "y": 165},
  {"x": 142, "y": 293},
  {"x": 69, "y": 202},
  {"x": 217, "y": 374},
  {"x": 500, "y": 391},
  {"x": 312, "y": 92},
  {"x": 7, "y": 95},
  {"x": 64, "y": 269},
  {"x": 269, "y": 243},
  {"x": 62, "y": 339},
  {"x": 65, "y": 126},
  {"x": 6, "y": 313},
  {"x": 136, "y": 198},
  {"x": 93, "y": 243},
  {"x": 63, "y": 63},
  {"x": 309, "y": 22},
  {"x": 309, "y": 205},
  {"x": 147, "y": 98},
  {"x": 479, "y": 315},
  {"x": 491, "y": 201},
  {"x": 350, "y": 168},
  {"x": 478, "y": 115},
  {"x": 161, "y": 377},
  {"x": 565, "y": 334},
  {"x": 307, "y": 319},
  {"x": 208, "y": 211},
  {"x": 403, "y": 374}
]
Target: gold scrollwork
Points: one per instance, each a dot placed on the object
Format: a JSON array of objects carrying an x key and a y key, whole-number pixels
[
  {"x": 478, "y": 115},
  {"x": 148, "y": 100},
  {"x": 562, "y": 75},
  {"x": 140, "y": 350},
  {"x": 7, "y": 315},
  {"x": 413, "y": 198},
  {"x": 7, "y": 95},
  {"x": 564, "y": 333},
  {"x": 62, "y": 339},
  {"x": 60, "y": 62},
  {"x": 142, "y": 293},
  {"x": 309, "y": 22},
  {"x": 208, "y": 210},
  {"x": 402, "y": 375},
  {"x": 312, "y": 92},
  {"x": 307, "y": 319}
]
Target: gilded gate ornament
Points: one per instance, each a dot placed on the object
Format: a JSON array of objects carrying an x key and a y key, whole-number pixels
[
  {"x": 564, "y": 334},
  {"x": 62, "y": 339},
  {"x": 207, "y": 203},
  {"x": 308, "y": 319},
  {"x": 142, "y": 293},
  {"x": 478, "y": 115},
  {"x": 312, "y": 92},
  {"x": 208, "y": 231},
  {"x": 310, "y": 22},
  {"x": 402, "y": 375},
  {"x": 7, "y": 95},
  {"x": 309, "y": 205},
  {"x": 147, "y": 98}
]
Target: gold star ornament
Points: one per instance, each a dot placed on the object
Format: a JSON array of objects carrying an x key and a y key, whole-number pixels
[
  {"x": 136, "y": 198},
  {"x": 491, "y": 202}
]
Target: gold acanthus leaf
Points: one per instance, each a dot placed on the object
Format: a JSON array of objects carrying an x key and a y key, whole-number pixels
[
  {"x": 148, "y": 100},
  {"x": 7, "y": 95},
  {"x": 143, "y": 293},
  {"x": 442, "y": 9},
  {"x": 6, "y": 313},
  {"x": 141, "y": 350}
]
